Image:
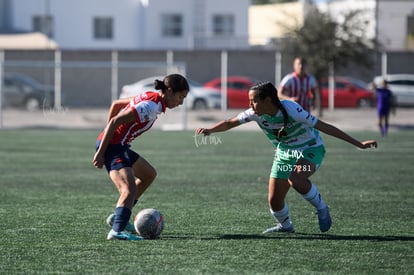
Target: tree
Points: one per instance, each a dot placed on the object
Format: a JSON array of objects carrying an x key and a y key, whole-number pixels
[{"x": 322, "y": 40}]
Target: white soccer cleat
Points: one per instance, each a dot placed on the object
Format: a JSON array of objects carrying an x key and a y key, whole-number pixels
[
  {"x": 124, "y": 236},
  {"x": 279, "y": 228}
]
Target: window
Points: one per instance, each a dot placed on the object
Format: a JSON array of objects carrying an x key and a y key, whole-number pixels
[
  {"x": 103, "y": 27},
  {"x": 223, "y": 24},
  {"x": 239, "y": 86},
  {"x": 43, "y": 24},
  {"x": 401, "y": 82},
  {"x": 172, "y": 25}
]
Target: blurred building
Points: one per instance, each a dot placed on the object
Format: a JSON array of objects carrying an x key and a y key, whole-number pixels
[
  {"x": 131, "y": 24},
  {"x": 390, "y": 21},
  {"x": 395, "y": 24},
  {"x": 195, "y": 24},
  {"x": 268, "y": 24}
]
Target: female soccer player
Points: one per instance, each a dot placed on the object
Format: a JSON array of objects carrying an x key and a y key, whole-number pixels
[
  {"x": 299, "y": 150},
  {"x": 132, "y": 174}
]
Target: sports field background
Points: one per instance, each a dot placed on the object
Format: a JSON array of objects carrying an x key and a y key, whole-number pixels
[{"x": 213, "y": 197}]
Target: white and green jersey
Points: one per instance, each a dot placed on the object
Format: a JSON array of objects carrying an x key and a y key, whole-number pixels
[{"x": 300, "y": 133}]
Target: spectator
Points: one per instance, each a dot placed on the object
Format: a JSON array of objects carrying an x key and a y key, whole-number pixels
[{"x": 299, "y": 86}]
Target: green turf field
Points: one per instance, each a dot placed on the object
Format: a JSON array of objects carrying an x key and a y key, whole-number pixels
[{"x": 213, "y": 195}]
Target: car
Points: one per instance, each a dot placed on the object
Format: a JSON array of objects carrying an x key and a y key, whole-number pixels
[
  {"x": 198, "y": 98},
  {"x": 401, "y": 85},
  {"x": 237, "y": 90},
  {"x": 23, "y": 91},
  {"x": 348, "y": 93}
]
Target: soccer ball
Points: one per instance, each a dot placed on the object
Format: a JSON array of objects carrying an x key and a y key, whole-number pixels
[{"x": 149, "y": 223}]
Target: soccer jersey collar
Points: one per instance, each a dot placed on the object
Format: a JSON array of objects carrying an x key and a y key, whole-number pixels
[
  {"x": 299, "y": 76},
  {"x": 272, "y": 119}
]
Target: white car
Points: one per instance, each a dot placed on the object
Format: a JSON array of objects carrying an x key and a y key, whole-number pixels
[
  {"x": 402, "y": 86},
  {"x": 198, "y": 98}
]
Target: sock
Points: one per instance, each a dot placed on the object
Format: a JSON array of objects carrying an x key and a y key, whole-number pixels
[
  {"x": 282, "y": 216},
  {"x": 121, "y": 219},
  {"x": 314, "y": 197}
]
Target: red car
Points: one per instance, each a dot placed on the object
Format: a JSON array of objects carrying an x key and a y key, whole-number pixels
[
  {"x": 237, "y": 90},
  {"x": 348, "y": 92}
]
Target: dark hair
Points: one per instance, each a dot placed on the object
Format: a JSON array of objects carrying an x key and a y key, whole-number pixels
[
  {"x": 301, "y": 59},
  {"x": 266, "y": 89},
  {"x": 176, "y": 82}
]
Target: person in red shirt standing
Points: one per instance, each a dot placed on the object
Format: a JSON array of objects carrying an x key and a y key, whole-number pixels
[
  {"x": 299, "y": 86},
  {"x": 129, "y": 118}
]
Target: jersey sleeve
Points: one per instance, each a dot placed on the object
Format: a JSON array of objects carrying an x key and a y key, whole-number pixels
[
  {"x": 145, "y": 111},
  {"x": 246, "y": 116},
  {"x": 299, "y": 114},
  {"x": 285, "y": 80},
  {"x": 313, "y": 83}
]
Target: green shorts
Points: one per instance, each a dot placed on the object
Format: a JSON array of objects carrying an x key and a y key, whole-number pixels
[{"x": 286, "y": 159}]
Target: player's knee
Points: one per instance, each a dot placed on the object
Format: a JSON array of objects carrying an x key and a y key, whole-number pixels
[{"x": 128, "y": 190}]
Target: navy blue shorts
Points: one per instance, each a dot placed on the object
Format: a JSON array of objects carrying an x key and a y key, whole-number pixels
[{"x": 118, "y": 156}]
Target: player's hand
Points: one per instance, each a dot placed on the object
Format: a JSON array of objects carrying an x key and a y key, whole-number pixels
[
  {"x": 98, "y": 161},
  {"x": 203, "y": 131},
  {"x": 369, "y": 144}
]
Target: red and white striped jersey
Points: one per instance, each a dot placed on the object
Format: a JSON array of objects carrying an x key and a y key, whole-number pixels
[
  {"x": 301, "y": 87},
  {"x": 146, "y": 107}
]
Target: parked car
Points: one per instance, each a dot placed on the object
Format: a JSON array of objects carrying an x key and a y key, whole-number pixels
[
  {"x": 348, "y": 92},
  {"x": 402, "y": 86},
  {"x": 198, "y": 97},
  {"x": 237, "y": 90},
  {"x": 23, "y": 91}
]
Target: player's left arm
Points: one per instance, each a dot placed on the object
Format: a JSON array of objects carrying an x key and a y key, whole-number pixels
[
  {"x": 221, "y": 126},
  {"x": 315, "y": 92},
  {"x": 117, "y": 106},
  {"x": 335, "y": 132}
]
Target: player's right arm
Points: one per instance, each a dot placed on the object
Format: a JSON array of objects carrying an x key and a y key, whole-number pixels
[
  {"x": 221, "y": 126},
  {"x": 283, "y": 92},
  {"x": 123, "y": 117}
]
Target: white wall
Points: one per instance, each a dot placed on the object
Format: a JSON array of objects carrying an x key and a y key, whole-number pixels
[
  {"x": 73, "y": 21},
  {"x": 193, "y": 19},
  {"x": 137, "y": 23},
  {"x": 392, "y": 26}
]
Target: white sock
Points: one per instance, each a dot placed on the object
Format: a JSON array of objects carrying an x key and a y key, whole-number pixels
[
  {"x": 282, "y": 216},
  {"x": 314, "y": 197}
]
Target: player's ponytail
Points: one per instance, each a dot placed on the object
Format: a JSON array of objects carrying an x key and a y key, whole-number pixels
[
  {"x": 176, "y": 82},
  {"x": 282, "y": 131},
  {"x": 266, "y": 89},
  {"x": 159, "y": 85}
]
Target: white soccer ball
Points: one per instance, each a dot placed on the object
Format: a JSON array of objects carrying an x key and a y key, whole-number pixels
[{"x": 149, "y": 223}]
